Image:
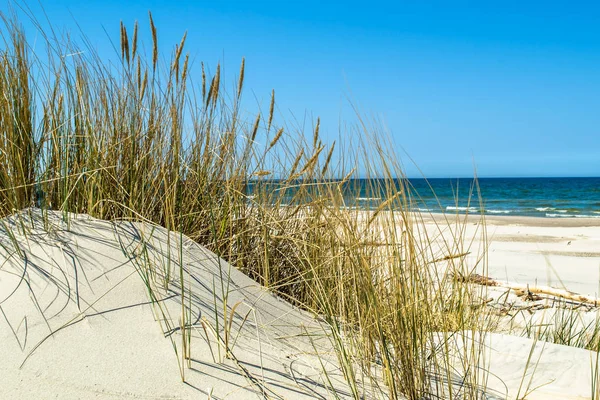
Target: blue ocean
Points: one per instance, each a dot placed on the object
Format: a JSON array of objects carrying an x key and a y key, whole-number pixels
[{"x": 536, "y": 197}]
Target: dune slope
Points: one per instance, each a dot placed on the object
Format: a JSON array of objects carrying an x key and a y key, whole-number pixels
[
  {"x": 93, "y": 309},
  {"x": 77, "y": 319}
]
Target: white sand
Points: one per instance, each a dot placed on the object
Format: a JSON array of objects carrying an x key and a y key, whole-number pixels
[
  {"x": 115, "y": 348},
  {"x": 519, "y": 368},
  {"x": 557, "y": 253},
  {"x": 82, "y": 323}
]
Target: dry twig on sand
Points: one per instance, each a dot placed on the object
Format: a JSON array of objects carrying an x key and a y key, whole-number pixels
[{"x": 530, "y": 293}]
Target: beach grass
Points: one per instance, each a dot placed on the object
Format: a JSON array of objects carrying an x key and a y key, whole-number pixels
[{"x": 145, "y": 141}]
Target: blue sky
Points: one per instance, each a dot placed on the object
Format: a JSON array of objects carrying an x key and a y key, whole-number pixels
[{"x": 514, "y": 89}]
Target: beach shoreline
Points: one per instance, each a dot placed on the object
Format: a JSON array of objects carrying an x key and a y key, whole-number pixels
[
  {"x": 501, "y": 220},
  {"x": 558, "y": 252}
]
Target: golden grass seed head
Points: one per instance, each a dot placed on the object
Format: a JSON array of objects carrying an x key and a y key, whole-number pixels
[
  {"x": 271, "y": 109},
  {"x": 124, "y": 43},
  {"x": 328, "y": 160},
  {"x": 144, "y": 85},
  {"x": 262, "y": 173},
  {"x": 154, "y": 41},
  {"x": 185, "y": 67},
  {"x": 296, "y": 162},
  {"x": 311, "y": 162},
  {"x": 255, "y": 128},
  {"x": 316, "y": 133},
  {"x": 203, "y": 81},
  {"x": 217, "y": 84},
  {"x": 241, "y": 78},
  {"x": 178, "y": 51},
  {"x": 134, "y": 41},
  {"x": 276, "y": 138}
]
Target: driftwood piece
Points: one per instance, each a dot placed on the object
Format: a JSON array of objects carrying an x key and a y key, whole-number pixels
[
  {"x": 531, "y": 292},
  {"x": 450, "y": 257}
]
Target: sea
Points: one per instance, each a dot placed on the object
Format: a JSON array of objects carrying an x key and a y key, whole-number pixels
[{"x": 535, "y": 197}]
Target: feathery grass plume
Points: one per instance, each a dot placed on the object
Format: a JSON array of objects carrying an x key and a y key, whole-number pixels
[
  {"x": 241, "y": 78},
  {"x": 138, "y": 73},
  {"x": 143, "y": 86},
  {"x": 154, "y": 41},
  {"x": 216, "y": 84},
  {"x": 276, "y": 138},
  {"x": 184, "y": 71},
  {"x": 134, "y": 41},
  {"x": 271, "y": 109},
  {"x": 316, "y": 133},
  {"x": 178, "y": 50},
  {"x": 328, "y": 159},
  {"x": 348, "y": 176},
  {"x": 255, "y": 128},
  {"x": 311, "y": 162},
  {"x": 203, "y": 82},
  {"x": 262, "y": 173},
  {"x": 124, "y": 43},
  {"x": 213, "y": 91},
  {"x": 296, "y": 162},
  {"x": 383, "y": 205}
]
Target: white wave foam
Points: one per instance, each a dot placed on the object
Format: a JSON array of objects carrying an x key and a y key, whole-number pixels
[
  {"x": 368, "y": 198},
  {"x": 550, "y": 215},
  {"x": 498, "y": 211},
  {"x": 545, "y": 208},
  {"x": 470, "y": 209},
  {"x": 553, "y": 209}
]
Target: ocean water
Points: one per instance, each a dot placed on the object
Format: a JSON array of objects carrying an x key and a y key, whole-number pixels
[{"x": 537, "y": 197}]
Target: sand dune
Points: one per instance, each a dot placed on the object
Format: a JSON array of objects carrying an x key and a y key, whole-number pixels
[
  {"x": 86, "y": 313},
  {"x": 84, "y": 326}
]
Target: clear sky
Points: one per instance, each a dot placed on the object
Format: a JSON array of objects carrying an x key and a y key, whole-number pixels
[{"x": 514, "y": 88}]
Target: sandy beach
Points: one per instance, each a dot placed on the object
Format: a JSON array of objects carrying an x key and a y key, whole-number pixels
[
  {"x": 558, "y": 252},
  {"x": 290, "y": 210},
  {"x": 101, "y": 337}
]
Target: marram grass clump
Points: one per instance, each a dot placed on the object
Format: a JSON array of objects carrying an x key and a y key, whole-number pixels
[{"x": 146, "y": 140}]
